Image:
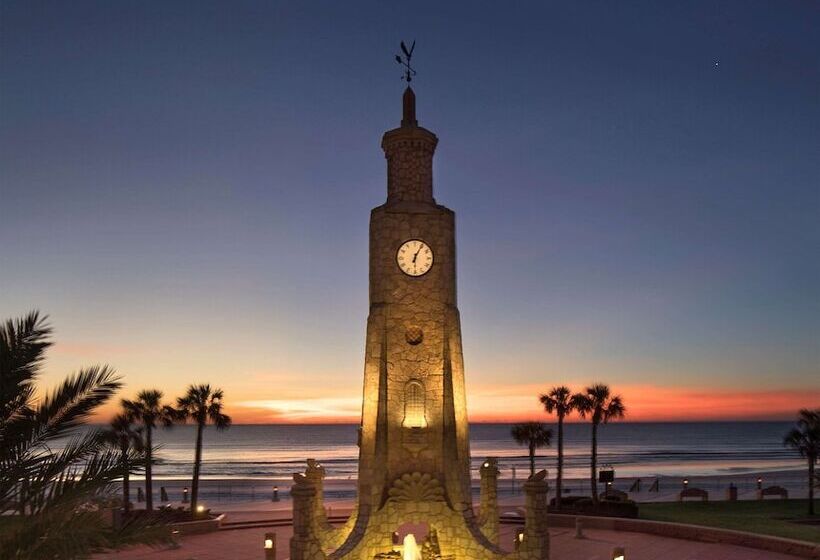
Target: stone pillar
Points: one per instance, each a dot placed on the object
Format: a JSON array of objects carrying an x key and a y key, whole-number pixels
[
  {"x": 304, "y": 544},
  {"x": 489, "y": 517},
  {"x": 315, "y": 473},
  {"x": 327, "y": 534},
  {"x": 536, "y": 544}
]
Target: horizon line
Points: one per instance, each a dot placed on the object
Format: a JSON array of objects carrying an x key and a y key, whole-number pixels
[{"x": 509, "y": 422}]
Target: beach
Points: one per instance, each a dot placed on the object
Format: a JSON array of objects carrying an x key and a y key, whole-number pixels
[
  {"x": 254, "y": 494},
  {"x": 246, "y": 463}
]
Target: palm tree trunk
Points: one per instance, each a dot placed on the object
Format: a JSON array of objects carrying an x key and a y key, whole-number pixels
[
  {"x": 812, "y": 460},
  {"x": 149, "y": 494},
  {"x": 126, "y": 489},
  {"x": 197, "y": 462},
  {"x": 594, "y": 464},
  {"x": 560, "y": 477},
  {"x": 532, "y": 460}
]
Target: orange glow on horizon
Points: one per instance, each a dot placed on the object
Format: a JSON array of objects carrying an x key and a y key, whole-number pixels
[{"x": 645, "y": 403}]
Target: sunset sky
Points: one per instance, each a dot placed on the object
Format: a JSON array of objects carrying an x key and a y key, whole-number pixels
[{"x": 185, "y": 189}]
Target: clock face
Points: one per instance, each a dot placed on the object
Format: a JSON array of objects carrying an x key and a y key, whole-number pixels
[{"x": 414, "y": 257}]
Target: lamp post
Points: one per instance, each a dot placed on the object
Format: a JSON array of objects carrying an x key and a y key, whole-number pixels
[
  {"x": 759, "y": 483},
  {"x": 519, "y": 538},
  {"x": 270, "y": 546},
  {"x": 185, "y": 495},
  {"x": 513, "y": 480},
  {"x": 618, "y": 553},
  {"x": 685, "y": 483},
  {"x": 275, "y": 494}
]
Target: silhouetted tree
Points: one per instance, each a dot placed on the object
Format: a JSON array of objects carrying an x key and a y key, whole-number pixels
[
  {"x": 559, "y": 401},
  {"x": 805, "y": 438},
  {"x": 50, "y": 471},
  {"x": 533, "y": 435},
  {"x": 126, "y": 437},
  {"x": 149, "y": 411},
  {"x": 202, "y": 405},
  {"x": 600, "y": 406}
]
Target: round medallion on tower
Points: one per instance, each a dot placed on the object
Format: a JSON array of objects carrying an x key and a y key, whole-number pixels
[{"x": 414, "y": 335}]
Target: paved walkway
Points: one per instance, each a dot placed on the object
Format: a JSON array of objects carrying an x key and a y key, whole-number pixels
[{"x": 246, "y": 544}]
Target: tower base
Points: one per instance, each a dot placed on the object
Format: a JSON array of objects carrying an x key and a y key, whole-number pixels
[{"x": 417, "y": 505}]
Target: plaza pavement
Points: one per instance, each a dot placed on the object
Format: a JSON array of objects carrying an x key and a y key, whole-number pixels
[{"x": 246, "y": 544}]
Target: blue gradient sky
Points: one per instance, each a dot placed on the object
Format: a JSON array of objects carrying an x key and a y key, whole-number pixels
[{"x": 185, "y": 188}]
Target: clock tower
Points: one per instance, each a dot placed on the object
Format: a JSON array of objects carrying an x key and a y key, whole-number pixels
[
  {"x": 414, "y": 457},
  {"x": 414, "y": 414}
]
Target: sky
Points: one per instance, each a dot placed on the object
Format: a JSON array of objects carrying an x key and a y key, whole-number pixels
[{"x": 185, "y": 190}]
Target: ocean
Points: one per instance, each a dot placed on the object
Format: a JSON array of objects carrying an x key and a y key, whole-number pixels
[{"x": 632, "y": 449}]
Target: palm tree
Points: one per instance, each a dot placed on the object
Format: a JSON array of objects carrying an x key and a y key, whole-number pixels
[
  {"x": 149, "y": 411},
  {"x": 805, "y": 438},
  {"x": 50, "y": 469},
  {"x": 559, "y": 401},
  {"x": 124, "y": 436},
  {"x": 533, "y": 435},
  {"x": 202, "y": 405},
  {"x": 597, "y": 402}
]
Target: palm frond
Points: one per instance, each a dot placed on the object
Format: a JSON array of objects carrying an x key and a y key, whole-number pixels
[
  {"x": 148, "y": 409},
  {"x": 558, "y": 400},
  {"x": 25, "y": 454},
  {"x": 56, "y": 493},
  {"x": 805, "y": 436},
  {"x": 598, "y": 403},
  {"x": 70, "y": 404},
  {"x": 531, "y": 433},
  {"x": 122, "y": 433},
  {"x": 22, "y": 350},
  {"x": 582, "y": 403},
  {"x": 614, "y": 409}
]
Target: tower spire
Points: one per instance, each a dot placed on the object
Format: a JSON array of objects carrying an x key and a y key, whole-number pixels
[
  {"x": 408, "y": 114},
  {"x": 409, "y": 148},
  {"x": 408, "y": 117}
]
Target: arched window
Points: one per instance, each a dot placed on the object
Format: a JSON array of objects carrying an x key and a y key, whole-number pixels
[{"x": 414, "y": 405}]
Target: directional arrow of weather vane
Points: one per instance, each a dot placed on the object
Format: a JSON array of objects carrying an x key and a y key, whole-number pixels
[{"x": 409, "y": 72}]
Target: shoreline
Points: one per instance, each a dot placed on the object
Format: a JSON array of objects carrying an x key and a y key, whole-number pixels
[
  {"x": 751, "y": 473},
  {"x": 255, "y": 493}
]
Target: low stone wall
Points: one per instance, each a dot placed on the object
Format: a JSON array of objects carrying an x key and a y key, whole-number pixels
[
  {"x": 199, "y": 526},
  {"x": 692, "y": 533}
]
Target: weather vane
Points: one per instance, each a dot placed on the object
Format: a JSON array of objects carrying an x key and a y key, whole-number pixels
[{"x": 408, "y": 54}]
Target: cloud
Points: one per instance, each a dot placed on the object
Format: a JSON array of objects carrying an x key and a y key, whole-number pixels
[
  {"x": 653, "y": 403},
  {"x": 512, "y": 403},
  {"x": 327, "y": 409}
]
